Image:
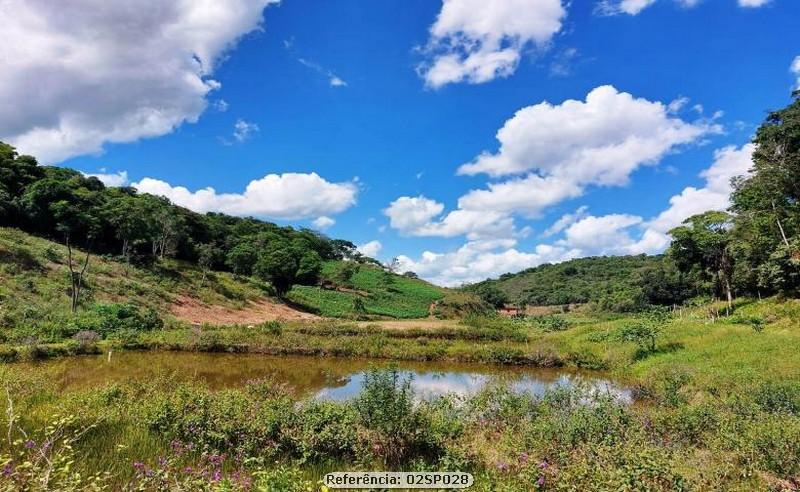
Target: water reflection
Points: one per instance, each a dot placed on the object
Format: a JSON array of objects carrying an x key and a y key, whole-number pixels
[{"x": 316, "y": 377}]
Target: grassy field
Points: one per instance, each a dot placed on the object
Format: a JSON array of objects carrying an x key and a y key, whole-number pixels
[
  {"x": 380, "y": 293},
  {"x": 718, "y": 393},
  {"x": 718, "y": 409}
]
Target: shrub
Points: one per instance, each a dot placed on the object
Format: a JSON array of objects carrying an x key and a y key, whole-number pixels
[
  {"x": 779, "y": 397},
  {"x": 86, "y": 337},
  {"x": 552, "y": 323}
]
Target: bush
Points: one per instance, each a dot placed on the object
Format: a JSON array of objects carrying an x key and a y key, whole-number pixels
[
  {"x": 552, "y": 323},
  {"x": 118, "y": 317},
  {"x": 86, "y": 337}
]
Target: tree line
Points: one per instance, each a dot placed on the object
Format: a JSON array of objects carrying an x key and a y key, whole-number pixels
[{"x": 64, "y": 205}]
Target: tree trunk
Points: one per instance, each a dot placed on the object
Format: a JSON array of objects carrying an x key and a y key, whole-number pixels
[
  {"x": 76, "y": 278},
  {"x": 780, "y": 226}
]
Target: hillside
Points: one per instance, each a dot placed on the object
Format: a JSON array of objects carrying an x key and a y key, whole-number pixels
[
  {"x": 35, "y": 300},
  {"x": 366, "y": 289},
  {"x": 575, "y": 281}
]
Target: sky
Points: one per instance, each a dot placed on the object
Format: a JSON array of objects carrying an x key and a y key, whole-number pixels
[{"x": 466, "y": 138}]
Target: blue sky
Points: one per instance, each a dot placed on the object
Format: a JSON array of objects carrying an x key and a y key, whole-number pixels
[{"x": 364, "y": 112}]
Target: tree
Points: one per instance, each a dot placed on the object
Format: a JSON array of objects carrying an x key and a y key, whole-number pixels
[
  {"x": 345, "y": 274},
  {"x": 646, "y": 330},
  {"x": 278, "y": 266},
  {"x": 208, "y": 255},
  {"x": 703, "y": 244},
  {"x": 242, "y": 258},
  {"x": 767, "y": 207},
  {"x": 492, "y": 295},
  {"x": 309, "y": 268}
]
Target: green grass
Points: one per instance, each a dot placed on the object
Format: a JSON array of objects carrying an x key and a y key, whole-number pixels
[{"x": 382, "y": 293}]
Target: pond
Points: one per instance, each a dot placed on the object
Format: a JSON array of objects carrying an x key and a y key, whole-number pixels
[{"x": 330, "y": 378}]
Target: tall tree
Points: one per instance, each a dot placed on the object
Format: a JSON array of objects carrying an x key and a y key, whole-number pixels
[{"x": 704, "y": 242}]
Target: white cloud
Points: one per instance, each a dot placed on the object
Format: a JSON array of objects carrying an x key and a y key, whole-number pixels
[
  {"x": 528, "y": 195},
  {"x": 333, "y": 79},
  {"x": 408, "y": 214},
  {"x": 420, "y": 216},
  {"x": 795, "y": 68},
  {"x": 629, "y": 234},
  {"x": 284, "y": 196},
  {"x": 600, "y": 140},
  {"x": 323, "y": 222},
  {"x": 565, "y": 221},
  {"x": 479, "y": 260},
  {"x": 753, "y": 3},
  {"x": 110, "y": 179},
  {"x": 242, "y": 130},
  {"x": 371, "y": 248},
  {"x": 608, "y": 234},
  {"x": 634, "y": 7},
  {"x": 561, "y": 149},
  {"x": 221, "y": 105},
  {"x": 630, "y": 7},
  {"x": 558, "y": 151},
  {"x": 476, "y": 41},
  {"x": 729, "y": 162},
  {"x": 82, "y": 73},
  {"x": 588, "y": 235}
]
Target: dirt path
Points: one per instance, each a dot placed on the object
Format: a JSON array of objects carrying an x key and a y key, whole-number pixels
[{"x": 194, "y": 311}]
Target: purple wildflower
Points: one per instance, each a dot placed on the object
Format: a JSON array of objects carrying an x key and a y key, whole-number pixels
[
  {"x": 503, "y": 467},
  {"x": 29, "y": 444},
  {"x": 8, "y": 469},
  {"x": 543, "y": 465},
  {"x": 217, "y": 476},
  {"x": 540, "y": 481},
  {"x": 138, "y": 465}
]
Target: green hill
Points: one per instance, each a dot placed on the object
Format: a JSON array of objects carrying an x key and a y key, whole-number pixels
[
  {"x": 351, "y": 288},
  {"x": 604, "y": 278}
]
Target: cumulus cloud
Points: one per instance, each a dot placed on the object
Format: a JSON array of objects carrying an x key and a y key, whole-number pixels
[
  {"x": 370, "y": 249},
  {"x": 420, "y": 216},
  {"x": 111, "y": 179},
  {"x": 408, "y": 214},
  {"x": 559, "y": 150},
  {"x": 476, "y": 41},
  {"x": 479, "y": 260},
  {"x": 82, "y": 73},
  {"x": 729, "y": 162},
  {"x": 528, "y": 195},
  {"x": 323, "y": 222},
  {"x": 583, "y": 234},
  {"x": 753, "y": 3},
  {"x": 600, "y": 140},
  {"x": 284, "y": 196},
  {"x": 630, "y": 234}
]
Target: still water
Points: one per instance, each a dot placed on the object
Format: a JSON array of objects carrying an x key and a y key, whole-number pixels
[{"x": 315, "y": 377}]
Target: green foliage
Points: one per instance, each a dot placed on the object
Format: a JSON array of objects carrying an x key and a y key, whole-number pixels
[
  {"x": 644, "y": 331},
  {"x": 574, "y": 282},
  {"x": 552, "y": 323},
  {"x": 61, "y": 203},
  {"x": 402, "y": 298},
  {"x": 491, "y": 295}
]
